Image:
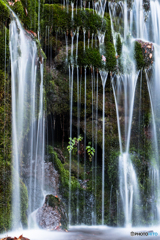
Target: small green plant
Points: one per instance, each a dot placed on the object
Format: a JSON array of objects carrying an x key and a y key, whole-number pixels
[
  {"x": 90, "y": 152},
  {"x": 73, "y": 143}
]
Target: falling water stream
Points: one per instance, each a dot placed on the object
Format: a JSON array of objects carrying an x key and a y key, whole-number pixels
[
  {"x": 28, "y": 123},
  {"x": 104, "y": 76},
  {"x": 149, "y": 31},
  {"x": 25, "y": 90}
]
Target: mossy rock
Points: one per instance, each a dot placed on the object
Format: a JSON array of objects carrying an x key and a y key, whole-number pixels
[
  {"x": 62, "y": 19},
  {"x": 89, "y": 57},
  {"x": 64, "y": 174},
  {"x": 56, "y": 203},
  {"x": 3, "y": 51},
  {"x": 109, "y": 50},
  {"x": 144, "y": 54},
  {"x": 19, "y": 10},
  {"x": 76, "y": 190},
  {"x": 30, "y": 13},
  {"x": 118, "y": 45},
  {"x": 139, "y": 56},
  {"x": 110, "y": 55},
  {"x": 4, "y": 11}
]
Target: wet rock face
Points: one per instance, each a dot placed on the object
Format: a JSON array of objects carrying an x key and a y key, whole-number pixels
[
  {"x": 144, "y": 54},
  {"x": 48, "y": 218},
  {"x": 50, "y": 182},
  {"x": 52, "y": 214}
]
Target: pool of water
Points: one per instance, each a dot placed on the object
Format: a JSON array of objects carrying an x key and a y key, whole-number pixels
[{"x": 87, "y": 233}]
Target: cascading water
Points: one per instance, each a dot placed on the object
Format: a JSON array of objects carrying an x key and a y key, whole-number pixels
[
  {"x": 145, "y": 25},
  {"x": 104, "y": 76},
  {"x": 27, "y": 122},
  {"x": 78, "y": 134},
  {"x": 96, "y": 129},
  {"x": 124, "y": 88},
  {"x": 70, "y": 155},
  {"x": 28, "y": 131},
  {"x": 100, "y": 7},
  {"x": 85, "y": 113},
  {"x": 93, "y": 140}
]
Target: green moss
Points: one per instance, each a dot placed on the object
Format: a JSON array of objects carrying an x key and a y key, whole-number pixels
[
  {"x": 19, "y": 10},
  {"x": 118, "y": 45},
  {"x": 76, "y": 190},
  {"x": 62, "y": 20},
  {"x": 3, "y": 31},
  {"x": 30, "y": 19},
  {"x": 5, "y": 124},
  {"x": 5, "y": 196},
  {"x": 108, "y": 34},
  {"x": 64, "y": 174},
  {"x": 24, "y": 203},
  {"x": 110, "y": 55},
  {"x": 140, "y": 63},
  {"x": 89, "y": 57},
  {"x": 109, "y": 50},
  {"x": 52, "y": 201},
  {"x": 4, "y": 11}
]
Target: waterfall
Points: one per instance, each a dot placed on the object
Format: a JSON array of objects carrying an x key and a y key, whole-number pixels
[
  {"x": 100, "y": 7},
  {"x": 77, "y": 43},
  {"x": 96, "y": 129},
  {"x": 72, "y": 4},
  {"x": 78, "y": 134},
  {"x": 66, "y": 37},
  {"x": 145, "y": 26},
  {"x": 104, "y": 76},
  {"x": 124, "y": 88},
  {"x": 93, "y": 139},
  {"x": 70, "y": 155},
  {"x": 85, "y": 113},
  {"x": 154, "y": 168},
  {"x": 27, "y": 119},
  {"x": 28, "y": 116}
]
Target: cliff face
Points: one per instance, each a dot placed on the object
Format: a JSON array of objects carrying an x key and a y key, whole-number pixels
[{"x": 56, "y": 30}]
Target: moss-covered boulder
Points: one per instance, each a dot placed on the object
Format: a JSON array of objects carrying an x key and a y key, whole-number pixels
[
  {"x": 52, "y": 215},
  {"x": 144, "y": 54},
  {"x": 89, "y": 57},
  {"x": 19, "y": 10},
  {"x": 118, "y": 45},
  {"x": 64, "y": 174},
  {"x": 61, "y": 19},
  {"x": 109, "y": 50},
  {"x": 4, "y": 11}
]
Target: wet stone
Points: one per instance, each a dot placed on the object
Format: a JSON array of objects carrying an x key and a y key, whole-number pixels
[{"x": 52, "y": 215}]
